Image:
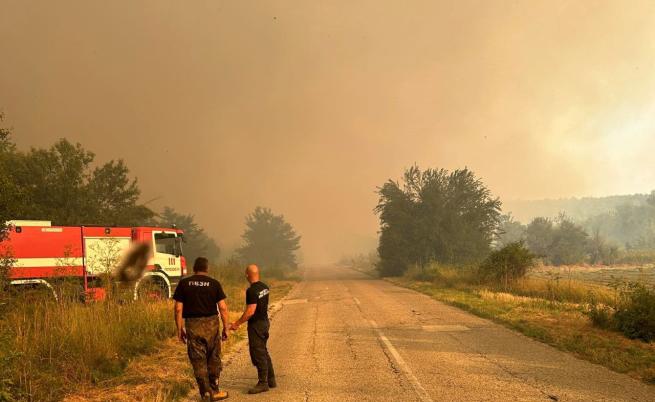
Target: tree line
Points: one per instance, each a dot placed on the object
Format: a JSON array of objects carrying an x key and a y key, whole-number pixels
[
  {"x": 61, "y": 184},
  {"x": 451, "y": 218},
  {"x": 601, "y": 239}
]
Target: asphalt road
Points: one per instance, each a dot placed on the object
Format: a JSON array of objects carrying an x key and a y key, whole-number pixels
[{"x": 343, "y": 336}]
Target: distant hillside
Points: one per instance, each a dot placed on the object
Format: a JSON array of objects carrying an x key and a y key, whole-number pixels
[{"x": 579, "y": 209}]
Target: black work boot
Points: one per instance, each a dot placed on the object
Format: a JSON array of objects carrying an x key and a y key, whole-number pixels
[
  {"x": 259, "y": 388},
  {"x": 262, "y": 383}
]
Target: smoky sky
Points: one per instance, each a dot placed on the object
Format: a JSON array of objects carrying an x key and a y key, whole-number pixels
[{"x": 307, "y": 106}]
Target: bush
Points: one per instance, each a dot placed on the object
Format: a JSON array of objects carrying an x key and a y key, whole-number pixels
[
  {"x": 635, "y": 316},
  {"x": 443, "y": 275},
  {"x": 421, "y": 273},
  {"x": 507, "y": 264},
  {"x": 601, "y": 316}
]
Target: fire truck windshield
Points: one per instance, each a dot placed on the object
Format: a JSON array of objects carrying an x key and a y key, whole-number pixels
[{"x": 166, "y": 243}]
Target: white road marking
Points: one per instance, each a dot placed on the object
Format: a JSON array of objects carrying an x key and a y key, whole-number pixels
[
  {"x": 445, "y": 328},
  {"x": 418, "y": 388},
  {"x": 294, "y": 301}
]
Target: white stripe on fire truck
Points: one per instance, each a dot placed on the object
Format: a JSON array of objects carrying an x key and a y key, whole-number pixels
[{"x": 48, "y": 262}]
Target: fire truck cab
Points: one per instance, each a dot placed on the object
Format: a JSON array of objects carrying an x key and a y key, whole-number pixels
[{"x": 42, "y": 253}]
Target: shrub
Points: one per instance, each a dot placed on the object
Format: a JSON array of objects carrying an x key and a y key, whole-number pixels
[
  {"x": 601, "y": 316},
  {"x": 635, "y": 316},
  {"x": 448, "y": 276},
  {"x": 6, "y": 262},
  {"x": 422, "y": 273},
  {"x": 507, "y": 264}
]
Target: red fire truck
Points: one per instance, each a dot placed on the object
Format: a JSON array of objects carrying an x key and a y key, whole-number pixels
[{"x": 42, "y": 253}]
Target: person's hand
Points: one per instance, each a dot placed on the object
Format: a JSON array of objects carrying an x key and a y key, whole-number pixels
[
  {"x": 225, "y": 335},
  {"x": 234, "y": 326},
  {"x": 181, "y": 335}
]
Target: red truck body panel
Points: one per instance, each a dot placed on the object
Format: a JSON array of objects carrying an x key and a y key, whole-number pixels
[{"x": 43, "y": 252}]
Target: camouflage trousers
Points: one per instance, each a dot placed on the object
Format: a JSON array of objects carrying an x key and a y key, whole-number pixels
[{"x": 204, "y": 349}]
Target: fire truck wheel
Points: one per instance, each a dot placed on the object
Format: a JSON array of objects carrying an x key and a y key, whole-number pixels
[
  {"x": 152, "y": 288},
  {"x": 34, "y": 292}
]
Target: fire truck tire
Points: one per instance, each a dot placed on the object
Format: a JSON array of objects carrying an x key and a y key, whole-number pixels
[
  {"x": 35, "y": 287},
  {"x": 152, "y": 288}
]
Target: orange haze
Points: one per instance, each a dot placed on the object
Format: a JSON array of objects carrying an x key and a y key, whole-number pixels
[{"x": 306, "y": 107}]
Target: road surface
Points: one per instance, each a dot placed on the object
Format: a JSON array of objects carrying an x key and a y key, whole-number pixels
[{"x": 343, "y": 336}]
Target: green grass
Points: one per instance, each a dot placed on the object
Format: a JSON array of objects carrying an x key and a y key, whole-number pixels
[{"x": 562, "y": 324}]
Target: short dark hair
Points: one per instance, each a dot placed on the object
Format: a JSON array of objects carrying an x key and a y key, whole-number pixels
[{"x": 201, "y": 265}]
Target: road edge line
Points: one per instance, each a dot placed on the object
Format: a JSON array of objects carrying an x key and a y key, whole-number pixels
[{"x": 402, "y": 365}]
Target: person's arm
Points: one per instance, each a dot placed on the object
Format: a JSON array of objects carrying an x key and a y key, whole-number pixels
[
  {"x": 225, "y": 316},
  {"x": 247, "y": 313},
  {"x": 179, "y": 321}
]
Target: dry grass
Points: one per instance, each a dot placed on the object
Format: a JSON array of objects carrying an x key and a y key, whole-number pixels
[
  {"x": 562, "y": 290},
  {"x": 52, "y": 345},
  {"x": 562, "y": 324},
  {"x": 600, "y": 275},
  {"x": 165, "y": 375},
  {"x": 50, "y": 350}
]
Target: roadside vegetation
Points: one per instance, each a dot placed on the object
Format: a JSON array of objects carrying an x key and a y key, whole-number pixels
[
  {"x": 51, "y": 348},
  {"x": 164, "y": 374},
  {"x": 442, "y": 233}
]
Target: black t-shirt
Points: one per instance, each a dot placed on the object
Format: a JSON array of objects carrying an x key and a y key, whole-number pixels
[
  {"x": 199, "y": 295},
  {"x": 257, "y": 294}
]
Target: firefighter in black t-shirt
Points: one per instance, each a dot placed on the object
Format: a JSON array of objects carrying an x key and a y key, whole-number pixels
[
  {"x": 198, "y": 300},
  {"x": 256, "y": 314}
]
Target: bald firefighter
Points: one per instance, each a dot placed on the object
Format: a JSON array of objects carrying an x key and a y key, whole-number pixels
[
  {"x": 256, "y": 314},
  {"x": 198, "y": 300}
]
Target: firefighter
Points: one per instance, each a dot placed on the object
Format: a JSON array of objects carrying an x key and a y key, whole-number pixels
[
  {"x": 198, "y": 300},
  {"x": 256, "y": 313}
]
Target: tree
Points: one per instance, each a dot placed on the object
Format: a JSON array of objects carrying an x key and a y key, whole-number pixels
[
  {"x": 507, "y": 264},
  {"x": 563, "y": 244},
  {"x": 114, "y": 197},
  {"x": 9, "y": 193},
  {"x": 509, "y": 231},
  {"x": 600, "y": 251},
  {"x": 270, "y": 241},
  {"x": 539, "y": 236},
  {"x": 569, "y": 245},
  {"x": 631, "y": 224},
  {"x": 434, "y": 215},
  {"x": 197, "y": 242},
  {"x": 9, "y": 199},
  {"x": 58, "y": 184}
]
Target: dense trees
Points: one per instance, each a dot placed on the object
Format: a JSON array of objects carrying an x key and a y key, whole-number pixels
[
  {"x": 58, "y": 184},
  {"x": 539, "y": 236},
  {"x": 270, "y": 241},
  {"x": 509, "y": 231},
  {"x": 569, "y": 244},
  {"x": 434, "y": 215},
  {"x": 631, "y": 225},
  {"x": 197, "y": 242},
  {"x": 560, "y": 243}
]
